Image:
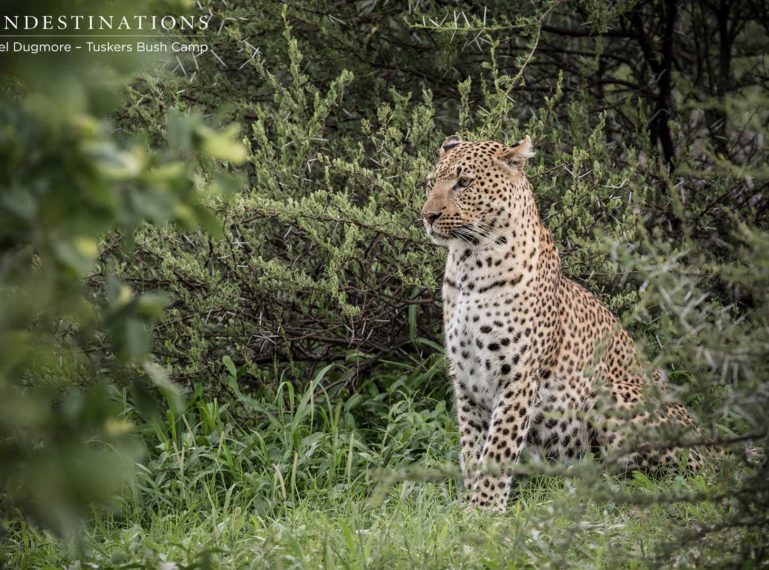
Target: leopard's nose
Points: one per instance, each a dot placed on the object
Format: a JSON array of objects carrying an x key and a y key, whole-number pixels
[{"x": 431, "y": 217}]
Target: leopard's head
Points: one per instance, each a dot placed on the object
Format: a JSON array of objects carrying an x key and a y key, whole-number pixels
[{"x": 473, "y": 189}]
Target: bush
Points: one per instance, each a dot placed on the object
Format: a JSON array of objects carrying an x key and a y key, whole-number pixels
[
  {"x": 323, "y": 257},
  {"x": 71, "y": 186}
]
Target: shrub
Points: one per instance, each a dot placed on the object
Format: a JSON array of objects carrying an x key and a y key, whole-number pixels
[{"x": 71, "y": 184}]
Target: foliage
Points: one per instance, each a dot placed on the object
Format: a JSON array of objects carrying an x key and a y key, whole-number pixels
[
  {"x": 69, "y": 184},
  {"x": 323, "y": 258}
]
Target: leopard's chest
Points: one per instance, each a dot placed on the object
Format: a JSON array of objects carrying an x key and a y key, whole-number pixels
[{"x": 479, "y": 332}]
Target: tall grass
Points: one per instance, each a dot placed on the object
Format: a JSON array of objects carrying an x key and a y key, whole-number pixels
[{"x": 296, "y": 480}]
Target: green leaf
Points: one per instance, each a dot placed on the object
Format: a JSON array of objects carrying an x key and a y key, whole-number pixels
[
  {"x": 230, "y": 366},
  {"x": 152, "y": 305},
  {"x": 171, "y": 391},
  {"x": 222, "y": 144},
  {"x": 112, "y": 162},
  {"x": 78, "y": 253},
  {"x": 209, "y": 221},
  {"x": 132, "y": 338},
  {"x": 179, "y": 130}
]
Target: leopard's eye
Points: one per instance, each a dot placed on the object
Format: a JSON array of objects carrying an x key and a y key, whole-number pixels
[
  {"x": 429, "y": 184},
  {"x": 464, "y": 181}
]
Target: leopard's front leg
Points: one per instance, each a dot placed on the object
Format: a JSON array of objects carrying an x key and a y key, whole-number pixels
[
  {"x": 504, "y": 441},
  {"x": 473, "y": 424}
]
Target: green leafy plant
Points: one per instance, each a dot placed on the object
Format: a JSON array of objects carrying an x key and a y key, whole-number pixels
[{"x": 70, "y": 188}]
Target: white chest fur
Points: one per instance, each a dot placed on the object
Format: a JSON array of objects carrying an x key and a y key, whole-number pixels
[
  {"x": 469, "y": 360},
  {"x": 478, "y": 342}
]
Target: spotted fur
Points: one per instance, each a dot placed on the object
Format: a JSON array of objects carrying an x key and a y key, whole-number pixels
[{"x": 536, "y": 359}]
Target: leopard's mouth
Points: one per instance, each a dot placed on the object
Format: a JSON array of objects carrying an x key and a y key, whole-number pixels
[
  {"x": 436, "y": 236},
  {"x": 462, "y": 233}
]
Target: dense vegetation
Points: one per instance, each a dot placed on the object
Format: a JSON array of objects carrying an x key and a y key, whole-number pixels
[{"x": 220, "y": 334}]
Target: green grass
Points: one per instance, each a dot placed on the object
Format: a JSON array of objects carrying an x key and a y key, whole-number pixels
[
  {"x": 296, "y": 481},
  {"x": 418, "y": 524}
]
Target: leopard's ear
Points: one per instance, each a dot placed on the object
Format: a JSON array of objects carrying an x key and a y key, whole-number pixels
[
  {"x": 516, "y": 156},
  {"x": 449, "y": 144}
]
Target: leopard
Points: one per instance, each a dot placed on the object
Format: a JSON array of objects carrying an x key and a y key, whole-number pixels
[{"x": 538, "y": 363}]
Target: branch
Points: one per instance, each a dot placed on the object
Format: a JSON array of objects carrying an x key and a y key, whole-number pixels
[{"x": 587, "y": 33}]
